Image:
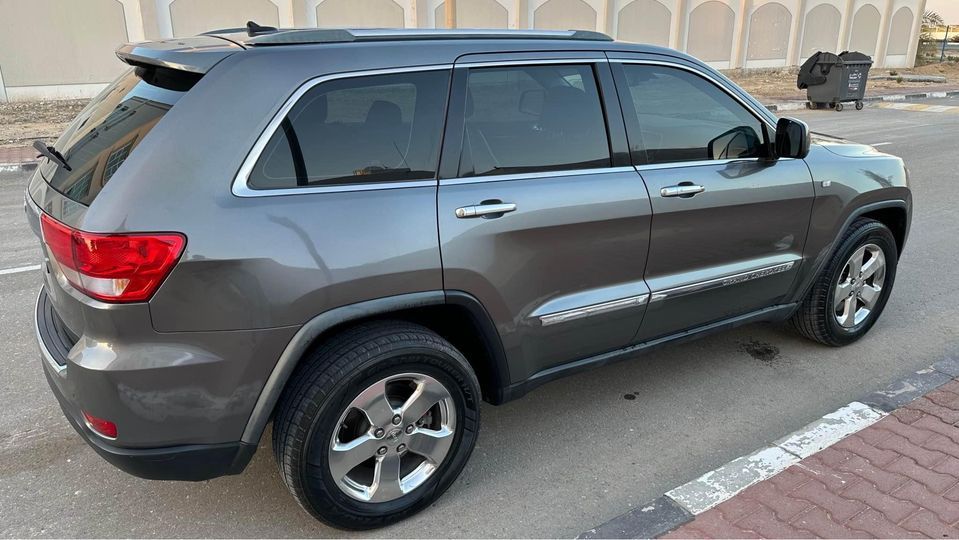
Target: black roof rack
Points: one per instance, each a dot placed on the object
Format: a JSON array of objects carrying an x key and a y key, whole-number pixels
[{"x": 335, "y": 35}]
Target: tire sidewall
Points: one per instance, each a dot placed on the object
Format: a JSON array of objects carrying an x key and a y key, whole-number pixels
[
  {"x": 446, "y": 368},
  {"x": 872, "y": 233}
]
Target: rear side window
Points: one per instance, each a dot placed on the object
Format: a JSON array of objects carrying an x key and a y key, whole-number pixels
[
  {"x": 377, "y": 128},
  {"x": 111, "y": 127},
  {"x": 523, "y": 119},
  {"x": 674, "y": 115}
]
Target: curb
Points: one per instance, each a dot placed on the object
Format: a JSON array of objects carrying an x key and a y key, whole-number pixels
[
  {"x": 681, "y": 504},
  {"x": 801, "y": 105},
  {"x": 17, "y": 167}
]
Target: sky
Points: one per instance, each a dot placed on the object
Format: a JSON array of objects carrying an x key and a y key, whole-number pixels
[{"x": 949, "y": 9}]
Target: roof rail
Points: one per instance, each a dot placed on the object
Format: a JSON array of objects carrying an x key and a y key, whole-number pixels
[{"x": 334, "y": 35}]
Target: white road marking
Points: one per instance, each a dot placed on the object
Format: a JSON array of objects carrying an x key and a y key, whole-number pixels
[
  {"x": 878, "y": 144},
  {"x": 829, "y": 429},
  {"x": 725, "y": 482},
  {"x": 19, "y": 269}
]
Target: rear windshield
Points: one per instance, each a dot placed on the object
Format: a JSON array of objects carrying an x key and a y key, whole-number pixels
[{"x": 109, "y": 129}]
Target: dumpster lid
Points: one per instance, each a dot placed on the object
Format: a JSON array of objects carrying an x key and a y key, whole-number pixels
[{"x": 849, "y": 57}]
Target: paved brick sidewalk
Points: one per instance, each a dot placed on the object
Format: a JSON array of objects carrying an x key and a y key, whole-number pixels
[
  {"x": 14, "y": 155},
  {"x": 898, "y": 478}
]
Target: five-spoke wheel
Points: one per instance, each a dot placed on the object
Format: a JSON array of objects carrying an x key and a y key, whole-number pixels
[
  {"x": 860, "y": 285},
  {"x": 392, "y": 437},
  {"x": 848, "y": 295},
  {"x": 376, "y": 423}
]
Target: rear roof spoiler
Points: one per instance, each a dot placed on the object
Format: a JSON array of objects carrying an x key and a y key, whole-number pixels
[{"x": 193, "y": 54}]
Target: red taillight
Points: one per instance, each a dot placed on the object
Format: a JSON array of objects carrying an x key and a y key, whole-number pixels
[
  {"x": 112, "y": 267},
  {"x": 101, "y": 426}
]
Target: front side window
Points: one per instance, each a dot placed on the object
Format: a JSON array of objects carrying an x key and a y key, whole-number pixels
[
  {"x": 674, "y": 116},
  {"x": 522, "y": 119},
  {"x": 377, "y": 128}
]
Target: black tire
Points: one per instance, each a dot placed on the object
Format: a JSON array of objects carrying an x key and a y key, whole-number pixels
[
  {"x": 839, "y": 107},
  {"x": 859, "y": 105},
  {"x": 322, "y": 388},
  {"x": 815, "y": 318}
]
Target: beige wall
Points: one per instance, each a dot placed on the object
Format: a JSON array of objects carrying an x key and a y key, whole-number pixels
[
  {"x": 64, "y": 48},
  {"x": 360, "y": 13},
  {"x": 899, "y": 31},
  {"x": 474, "y": 14},
  {"x": 191, "y": 17},
  {"x": 564, "y": 15},
  {"x": 821, "y": 30},
  {"x": 710, "y": 32},
  {"x": 646, "y": 21},
  {"x": 769, "y": 28},
  {"x": 70, "y": 43}
]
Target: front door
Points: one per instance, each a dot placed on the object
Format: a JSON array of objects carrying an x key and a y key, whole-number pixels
[
  {"x": 729, "y": 223},
  {"x": 541, "y": 217}
]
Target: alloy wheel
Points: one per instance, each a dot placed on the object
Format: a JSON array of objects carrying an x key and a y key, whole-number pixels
[
  {"x": 859, "y": 286},
  {"x": 392, "y": 437}
]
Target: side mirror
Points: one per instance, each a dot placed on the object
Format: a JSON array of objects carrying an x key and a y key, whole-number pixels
[{"x": 792, "y": 138}]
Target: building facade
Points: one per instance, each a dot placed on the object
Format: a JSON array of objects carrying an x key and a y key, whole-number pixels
[{"x": 55, "y": 49}]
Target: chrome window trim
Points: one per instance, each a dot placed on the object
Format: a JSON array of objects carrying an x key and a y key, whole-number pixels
[
  {"x": 567, "y": 315},
  {"x": 240, "y": 186},
  {"x": 702, "y": 163},
  {"x": 697, "y": 163},
  {"x": 591, "y": 59},
  {"x": 723, "y": 281},
  {"x": 533, "y": 175},
  {"x": 539, "y": 174}
]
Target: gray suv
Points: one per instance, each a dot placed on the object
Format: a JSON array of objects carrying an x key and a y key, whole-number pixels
[{"x": 360, "y": 235}]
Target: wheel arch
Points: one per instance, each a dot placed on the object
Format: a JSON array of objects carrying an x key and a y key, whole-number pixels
[
  {"x": 895, "y": 211},
  {"x": 456, "y": 316},
  {"x": 896, "y": 218}
]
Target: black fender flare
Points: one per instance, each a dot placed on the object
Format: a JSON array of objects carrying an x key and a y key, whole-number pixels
[
  {"x": 803, "y": 290},
  {"x": 315, "y": 327}
]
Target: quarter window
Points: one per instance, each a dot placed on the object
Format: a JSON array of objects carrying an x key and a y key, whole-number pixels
[
  {"x": 674, "y": 116},
  {"x": 378, "y": 128},
  {"x": 522, "y": 119}
]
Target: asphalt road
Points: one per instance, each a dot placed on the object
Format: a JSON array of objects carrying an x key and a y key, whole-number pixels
[{"x": 569, "y": 456}]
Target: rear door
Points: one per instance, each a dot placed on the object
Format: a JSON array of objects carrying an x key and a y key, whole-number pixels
[
  {"x": 541, "y": 217},
  {"x": 729, "y": 223}
]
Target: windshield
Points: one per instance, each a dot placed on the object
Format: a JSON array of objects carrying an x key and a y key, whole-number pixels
[{"x": 102, "y": 137}]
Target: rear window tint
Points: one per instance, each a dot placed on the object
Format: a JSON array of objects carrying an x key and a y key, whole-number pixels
[
  {"x": 524, "y": 119},
  {"x": 109, "y": 129},
  {"x": 377, "y": 128}
]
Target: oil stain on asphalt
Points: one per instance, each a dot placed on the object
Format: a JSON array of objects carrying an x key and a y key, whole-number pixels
[{"x": 764, "y": 352}]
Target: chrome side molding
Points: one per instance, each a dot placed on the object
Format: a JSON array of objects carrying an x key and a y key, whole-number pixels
[
  {"x": 724, "y": 281},
  {"x": 595, "y": 309}
]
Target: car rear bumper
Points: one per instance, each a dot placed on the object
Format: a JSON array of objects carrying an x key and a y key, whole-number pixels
[
  {"x": 193, "y": 462},
  {"x": 176, "y": 462}
]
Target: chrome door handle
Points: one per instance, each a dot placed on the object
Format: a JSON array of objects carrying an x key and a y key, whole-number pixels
[
  {"x": 681, "y": 190},
  {"x": 479, "y": 210}
]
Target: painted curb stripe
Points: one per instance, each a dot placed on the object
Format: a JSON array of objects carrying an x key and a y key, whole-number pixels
[
  {"x": 720, "y": 484},
  {"x": 830, "y": 429},
  {"x": 18, "y": 167},
  {"x": 681, "y": 504},
  {"x": 800, "y": 105}
]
